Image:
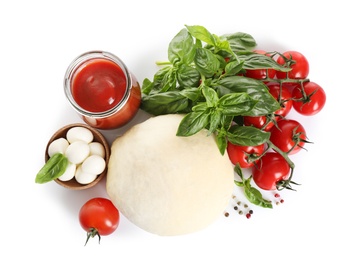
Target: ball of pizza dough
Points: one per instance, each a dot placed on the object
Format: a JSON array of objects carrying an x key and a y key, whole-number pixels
[{"x": 166, "y": 184}]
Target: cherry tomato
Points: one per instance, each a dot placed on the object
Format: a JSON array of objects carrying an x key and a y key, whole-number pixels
[
  {"x": 244, "y": 154},
  {"x": 288, "y": 134},
  {"x": 99, "y": 217},
  {"x": 311, "y": 100},
  {"x": 283, "y": 96},
  {"x": 269, "y": 170},
  {"x": 299, "y": 65},
  {"x": 258, "y": 122},
  {"x": 261, "y": 73}
]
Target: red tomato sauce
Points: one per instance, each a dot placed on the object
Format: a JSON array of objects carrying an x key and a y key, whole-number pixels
[{"x": 98, "y": 85}]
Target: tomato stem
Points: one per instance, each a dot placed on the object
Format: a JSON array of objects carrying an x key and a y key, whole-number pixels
[{"x": 92, "y": 233}]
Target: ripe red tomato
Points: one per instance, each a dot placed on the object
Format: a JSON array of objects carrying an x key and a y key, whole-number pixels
[
  {"x": 300, "y": 67},
  {"x": 261, "y": 73},
  {"x": 269, "y": 170},
  {"x": 258, "y": 122},
  {"x": 288, "y": 134},
  {"x": 283, "y": 96},
  {"x": 311, "y": 100},
  {"x": 244, "y": 154},
  {"x": 99, "y": 217}
]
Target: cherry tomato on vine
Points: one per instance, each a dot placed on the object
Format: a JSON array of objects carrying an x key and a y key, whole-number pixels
[
  {"x": 261, "y": 73},
  {"x": 310, "y": 100},
  {"x": 283, "y": 96},
  {"x": 298, "y": 64},
  {"x": 258, "y": 122},
  {"x": 246, "y": 156},
  {"x": 288, "y": 134},
  {"x": 99, "y": 217},
  {"x": 269, "y": 170}
]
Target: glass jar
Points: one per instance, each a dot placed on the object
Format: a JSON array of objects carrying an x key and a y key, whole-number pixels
[{"x": 102, "y": 90}]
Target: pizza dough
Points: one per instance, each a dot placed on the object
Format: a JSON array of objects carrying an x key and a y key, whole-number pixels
[{"x": 165, "y": 184}]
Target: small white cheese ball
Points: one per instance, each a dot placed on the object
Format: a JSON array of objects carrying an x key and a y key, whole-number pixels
[
  {"x": 69, "y": 172},
  {"x": 84, "y": 177},
  {"x": 58, "y": 146},
  {"x": 77, "y": 152},
  {"x": 97, "y": 148},
  {"x": 79, "y": 133},
  {"x": 94, "y": 164}
]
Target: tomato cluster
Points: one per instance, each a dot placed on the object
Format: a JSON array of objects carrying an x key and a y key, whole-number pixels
[{"x": 270, "y": 162}]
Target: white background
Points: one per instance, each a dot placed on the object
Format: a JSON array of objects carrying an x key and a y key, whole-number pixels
[{"x": 40, "y": 38}]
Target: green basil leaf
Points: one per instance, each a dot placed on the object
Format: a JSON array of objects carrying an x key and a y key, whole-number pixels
[
  {"x": 53, "y": 168},
  {"x": 163, "y": 80},
  {"x": 170, "y": 102},
  {"x": 147, "y": 86},
  {"x": 215, "y": 121},
  {"x": 206, "y": 62},
  {"x": 234, "y": 104},
  {"x": 201, "y": 33},
  {"x": 240, "y": 41},
  {"x": 221, "y": 141},
  {"x": 192, "y": 123},
  {"x": 181, "y": 48},
  {"x": 210, "y": 95},
  {"x": 260, "y": 61},
  {"x": 187, "y": 76},
  {"x": 256, "y": 89},
  {"x": 247, "y": 135},
  {"x": 255, "y": 197},
  {"x": 233, "y": 68}
]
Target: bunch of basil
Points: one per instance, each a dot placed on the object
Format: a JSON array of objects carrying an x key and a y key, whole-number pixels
[{"x": 202, "y": 79}]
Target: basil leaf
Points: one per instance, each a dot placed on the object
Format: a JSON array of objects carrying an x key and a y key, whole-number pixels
[
  {"x": 192, "y": 123},
  {"x": 234, "y": 104},
  {"x": 181, "y": 48},
  {"x": 187, "y": 76},
  {"x": 164, "y": 103},
  {"x": 233, "y": 67},
  {"x": 206, "y": 62},
  {"x": 53, "y": 168},
  {"x": 260, "y": 61},
  {"x": 210, "y": 95},
  {"x": 247, "y": 135},
  {"x": 255, "y": 197},
  {"x": 256, "y": 89},
  {"x": 240, "y": 41},
  {"x": 221, "y": 141},
  {"x": 201, "y": 33}
]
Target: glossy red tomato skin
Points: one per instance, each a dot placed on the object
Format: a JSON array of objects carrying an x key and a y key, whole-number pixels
[
  {"x": 283, "y": 135},
  {"x": 299, "y": 70},
  {"x": 239, "y": 154},
  {"x": 312, "y": 105},
  {"x": 284, "y": 96},
  {"x": 261, "y": 74},
  {"x": 269, "y": 170},
  {"x": 258, "y": 122},
  {"x": 99, "y": 214}
]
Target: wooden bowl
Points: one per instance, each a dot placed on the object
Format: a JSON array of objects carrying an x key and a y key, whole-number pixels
[{"x": 98, "y": 137}]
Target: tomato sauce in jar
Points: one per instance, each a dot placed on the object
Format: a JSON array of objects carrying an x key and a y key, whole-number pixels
[{"x": 102, "y": 90}]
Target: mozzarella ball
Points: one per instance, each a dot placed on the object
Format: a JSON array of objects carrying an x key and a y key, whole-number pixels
[
  {"x": 97, "y": 148},
  {"x": 79, "y": 133},
  {"x": 58, "y": 146},
  {"x": 69, "y": 172},
  {"x": 84, "y": 177},
  {"x": 77, "y": 152},
  {"x": 94, "y": 164}
]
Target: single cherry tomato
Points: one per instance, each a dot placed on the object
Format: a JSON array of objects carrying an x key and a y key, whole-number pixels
[
  {"x": 298, "y": 64},
  {"x": 288, "y": 134},
  {"x": 283, "y": 96},
  {"x": 269, "y": 170},
  {"x": 310, "y": 100},
  {"x": 258, "y": 122},
  {"x": 99, "y": 217},
  {"x": 246, "y": 156},
  {"x": 261, "y": 73}
]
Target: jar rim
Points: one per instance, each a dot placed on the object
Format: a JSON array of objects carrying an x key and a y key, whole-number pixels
[{"x": 81, "y": 59}]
